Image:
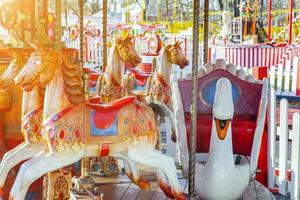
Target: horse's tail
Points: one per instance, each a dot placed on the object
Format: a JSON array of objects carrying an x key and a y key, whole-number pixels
[{"x": 162, "y": 110}]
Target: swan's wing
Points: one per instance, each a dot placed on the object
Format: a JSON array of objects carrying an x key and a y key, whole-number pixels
[
  {"x": 180, "y": 128},
  {"x": 259, "y": 127}
]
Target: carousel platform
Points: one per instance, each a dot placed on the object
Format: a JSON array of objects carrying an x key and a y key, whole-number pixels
[{"x": 120, "y": 188}]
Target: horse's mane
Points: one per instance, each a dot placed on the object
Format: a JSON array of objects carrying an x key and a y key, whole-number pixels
[{"x": 73, "y": 83}]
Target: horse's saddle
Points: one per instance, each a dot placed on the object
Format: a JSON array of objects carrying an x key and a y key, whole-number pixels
[
  {"x": 141, "y": 82},
  {"x": 93, "y": 77},
  {"x": 103, "y": 117}
]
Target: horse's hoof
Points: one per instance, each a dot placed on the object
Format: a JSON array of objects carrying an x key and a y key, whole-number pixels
[
  {"x": 167, "y": 190},
  {"x": 174, "y": 137},
  {"x": 129, "y": 175},
  {"x": 143, "y": 184},
  {"x": 181, "y": 196}
]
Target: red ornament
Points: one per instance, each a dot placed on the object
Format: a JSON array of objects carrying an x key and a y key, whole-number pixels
[
  {"x": 77, "y": 134},
  {"x": 150, "y": 125},
  {"x": 62, "y": 134},
  {"x": 36, "y": 128},
  {"x": 26, "y": 127}
]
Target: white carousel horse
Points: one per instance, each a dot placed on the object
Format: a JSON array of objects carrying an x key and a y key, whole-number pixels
[
  {"x": 156, "y": 88},
  {"x": 66, "y": 126},
  {"x": 110, "y": 84},
  {"x": 32, "y": 112},
  {"x": 218, "y": 170}
]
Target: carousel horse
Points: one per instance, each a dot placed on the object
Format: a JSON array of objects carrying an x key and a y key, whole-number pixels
[
  {"x": 69, "y": 121},
  {"x": 32, "y": 110},
  {"x": 155, "y": 88},
  {"x": 110, "y": 84},
  {"x": 224, "y": 101}
]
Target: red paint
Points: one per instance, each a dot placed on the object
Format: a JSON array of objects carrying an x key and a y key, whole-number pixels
[
  {"x": 104, "y": 150},
  {"x": 150, "y": 125},
  {"x": 105, "y": 114},
  {"x": 77, "y": 134},
  {"x": 166, "y": 189},
  {"x": 260, "y": 73},
  {"x": 288, "y": 174},
  {"x": 140, "y": 77},
  {"x": 146, "y": 67},
  {"x": 134, "y": 128},
  {"x": 291, "y": 22},
  {"x": 269, "y": 20},
  {"x": 36, "y": 128},
  {"x": 62, "y": 134},
  {"x": 95, "y": 100}
]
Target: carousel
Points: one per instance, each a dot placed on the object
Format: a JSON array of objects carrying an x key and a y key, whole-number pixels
[{"x": 69, "y": 132}]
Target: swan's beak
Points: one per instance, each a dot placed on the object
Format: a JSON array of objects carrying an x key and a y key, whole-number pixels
[{"x": 222, "y": 127}]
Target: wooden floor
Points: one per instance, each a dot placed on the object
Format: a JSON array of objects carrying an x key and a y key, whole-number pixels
[{"x": 120, "y": 188}]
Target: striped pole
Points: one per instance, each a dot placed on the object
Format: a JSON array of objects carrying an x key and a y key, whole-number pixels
[
  {"x": 104, "y": 34},
  {"x": 291, "y": 22},
  {"x": 193, "y": 108},
  {"x": 206, "y": 21},
  {"x": 269, "y": 20}
]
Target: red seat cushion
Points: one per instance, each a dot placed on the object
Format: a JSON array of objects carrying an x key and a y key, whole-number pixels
[
  {"x": 140, "y": 77},
  {"x": 242, "y": 133},
  {"x": 105, "y": 114}
]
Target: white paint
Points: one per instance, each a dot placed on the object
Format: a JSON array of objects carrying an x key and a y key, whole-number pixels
[{"x": 220, "y": 173}]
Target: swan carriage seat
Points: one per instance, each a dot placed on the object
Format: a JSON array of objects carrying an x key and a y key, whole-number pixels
[{"x": 247, "y": 96}]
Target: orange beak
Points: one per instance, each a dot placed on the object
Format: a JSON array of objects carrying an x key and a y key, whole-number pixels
[{"x": 222, "y": 127}]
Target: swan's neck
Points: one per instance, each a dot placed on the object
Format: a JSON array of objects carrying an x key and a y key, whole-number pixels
[
  {"x": 220, "y": 151},
  {"x": 165, "y": 67},
  {"x": 115, "y": 65}
]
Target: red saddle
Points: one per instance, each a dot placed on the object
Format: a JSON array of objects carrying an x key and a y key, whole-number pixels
[
  {"x": 140, "y": 77},
  {"x": 93, "y": 76},
  {"x": 95, "y": 100},
  {"x": 105, "y": 114}
]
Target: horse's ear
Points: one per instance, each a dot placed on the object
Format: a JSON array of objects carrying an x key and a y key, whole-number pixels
[
  {"x": 119, "y": 41},
  {"x": 169, "y": 47},
  {"x": 130, "y": 37},
  {"x": 177, "y": 43}
]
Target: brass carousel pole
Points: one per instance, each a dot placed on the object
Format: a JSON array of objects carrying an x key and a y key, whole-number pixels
[
  {"x": 84, "y": 161},
  {"x": 104, "y": 34},
  {"x": 80, "y": 3},
  {"x": 193, "y": 108},
  {"x": 58, "y": 30},
  {"x": 206, "y": 20}
]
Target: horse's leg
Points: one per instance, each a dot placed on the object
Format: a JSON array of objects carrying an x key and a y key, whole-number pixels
[
  {"x": 157, "y": 160},
  {"x": 133, "y": 173},
  {"x": 23, "y": 168},
  {"x": 8, "y": 153},
  {"x": 163, "y": 183},
  {"x": 35, "y": 168},
  {"x": 15, "y": 157}
]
